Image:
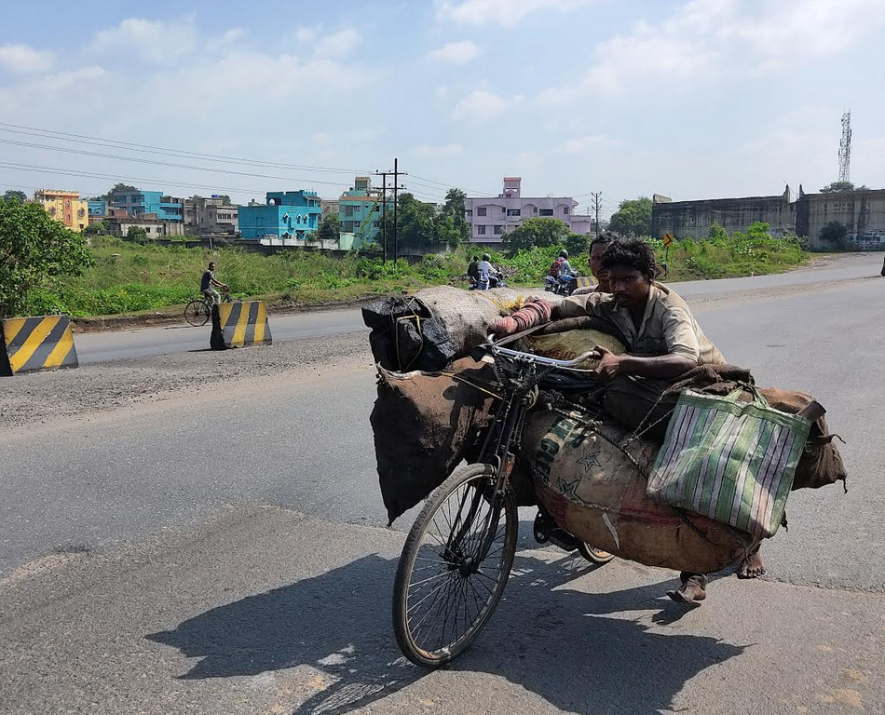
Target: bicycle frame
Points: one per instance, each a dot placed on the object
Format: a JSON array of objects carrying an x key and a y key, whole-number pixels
[{"x": 504, "y": 434}]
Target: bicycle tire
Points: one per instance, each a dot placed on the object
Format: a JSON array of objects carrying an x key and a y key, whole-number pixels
[
  {"x": 481, "y": 477},
  {"x": 197, "y": 313}
]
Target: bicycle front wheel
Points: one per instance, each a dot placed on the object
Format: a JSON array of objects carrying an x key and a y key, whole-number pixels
[
  {"x": 454, "y": 566},
  {"x": 197, "y": 313}
]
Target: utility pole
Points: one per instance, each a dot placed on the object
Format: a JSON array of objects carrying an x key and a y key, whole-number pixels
[
  {"x": 845, "y": 149},
  {"x": 396, "y": 173},
  {"x": 383, "y": 175},
  {"x": 597, "y": 201}
]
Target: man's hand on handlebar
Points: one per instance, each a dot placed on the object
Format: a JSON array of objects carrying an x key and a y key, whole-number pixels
[{"x": 609, "y": 365}]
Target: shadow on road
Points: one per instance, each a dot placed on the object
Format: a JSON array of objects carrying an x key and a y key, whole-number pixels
[{"x": 545, "y": 637}]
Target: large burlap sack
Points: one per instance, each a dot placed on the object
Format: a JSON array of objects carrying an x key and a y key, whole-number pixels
[
  {"x": 423, "y": 423},
  {"x": 571, "y": 343},
  {"x": 595, "y": 491},
  {"x": 468, "y": 315}
]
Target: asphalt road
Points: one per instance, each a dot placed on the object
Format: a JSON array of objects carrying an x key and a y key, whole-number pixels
[
  {"x": 221, "y": 551},
  {"x": 142, "y": 342}
]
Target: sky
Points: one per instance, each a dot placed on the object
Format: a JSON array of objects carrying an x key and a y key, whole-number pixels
[{"x": 698, "y": 99}]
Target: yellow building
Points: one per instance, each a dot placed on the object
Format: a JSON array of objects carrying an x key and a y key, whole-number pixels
[{"x": 65, "y": 206}]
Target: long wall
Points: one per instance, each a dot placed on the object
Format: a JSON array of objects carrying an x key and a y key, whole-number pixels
[{"x": 861, "y": 212}]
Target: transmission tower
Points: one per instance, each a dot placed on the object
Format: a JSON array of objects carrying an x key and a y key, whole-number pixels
[{"x": 845, "y": 148}]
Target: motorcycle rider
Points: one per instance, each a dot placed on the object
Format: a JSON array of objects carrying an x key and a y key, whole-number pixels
[
  {"x": 473, "y": 269},
  {"x": 486, "y": 271}
]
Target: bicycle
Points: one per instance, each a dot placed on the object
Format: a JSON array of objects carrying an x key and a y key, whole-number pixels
[
  {"x": 459, "y": 552},
  {"x": 199, "y": 310}
]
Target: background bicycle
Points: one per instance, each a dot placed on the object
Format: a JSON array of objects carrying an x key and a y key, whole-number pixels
[{"x": 199, "y": 310}]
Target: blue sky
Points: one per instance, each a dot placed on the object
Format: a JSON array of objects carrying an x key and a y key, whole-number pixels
[{"x": 693, "y": 99}]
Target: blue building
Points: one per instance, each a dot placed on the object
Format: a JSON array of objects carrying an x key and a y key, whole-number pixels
[
  {"x": 285, "y": 215},
  {"x": 98, "y": 210},
  {"x": 360, "y": 211},
  {"x": 138, "y": 203}
]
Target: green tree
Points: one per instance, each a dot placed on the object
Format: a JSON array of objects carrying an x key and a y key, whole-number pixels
[
  {"x": 452, "y": 215},
  {"x": 99, "y": 228},
  {"x": 330, "y": 228},
  {"x": 540, "y": 232},
  {"x": 118, "y": 189},
  {"x": 35, "y": 251},
  {"x": 836, "y": 234},
  {"x": 838, "y": 187},
  {"x": 576, "y": 244},
  {"x": 225, "y": 199},
  {"x": 137, "y": 234},
  {"x": 633, "y": 217},
  {"x": 13, "y": 195}
]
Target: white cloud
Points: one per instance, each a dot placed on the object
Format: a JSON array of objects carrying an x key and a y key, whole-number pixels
[
  {"x": 72, "y": 77},
  {"x": 23, "y": 59},
  {"x": 707, "y": 39},
  {"x": 155, "y": 41},
  {"x": 306, "y": 35},
  {"x": 480, "y": 106},
  {"x": 225, "y": 39},
  {"x": 457, "y": 53},
  {"x": 507, "y": 13},
  {"x": 434, "y": 152},
  {"x": 337, "y": 44}
]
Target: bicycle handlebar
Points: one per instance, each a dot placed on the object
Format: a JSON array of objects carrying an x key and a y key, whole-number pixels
[{"x": 538, "y": 359}]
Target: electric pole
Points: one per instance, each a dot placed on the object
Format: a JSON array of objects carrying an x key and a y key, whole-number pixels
[
  {"x": 396, "y": 173},
  {"x": 384, "y": 175},
  {"x": 597, "y": 201}
]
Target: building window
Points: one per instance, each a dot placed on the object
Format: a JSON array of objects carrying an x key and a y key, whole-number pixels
[
  {"x": 565, "y": 210},
  {"x": 514, "y": 212},
  {"x": 499, "y": 230},
  {"x": 348, "y": 210},
  {"x": 481, "y": 211},
  {"x": 546, "y": 212},
  {"x": 480, "y": 230},
  {"x": 469, "y": 213}
]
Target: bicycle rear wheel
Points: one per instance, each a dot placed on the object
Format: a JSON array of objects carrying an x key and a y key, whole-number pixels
[
  {"x": 197, "y": 313},
  {"x": 454, "y": 566}
]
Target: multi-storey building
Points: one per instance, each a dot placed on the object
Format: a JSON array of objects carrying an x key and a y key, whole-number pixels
[
  {"x": 490, "y": 218},
  {"x": 136, "y": 203},
  {"x": 211, "y": 216},
  {"x": 289, "y": 216},
  {"x": 64, "y": 206},
  {"x": 360, "y": 210}
]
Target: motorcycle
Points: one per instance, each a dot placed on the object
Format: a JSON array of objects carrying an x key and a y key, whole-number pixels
[
  {"x": 494, "y": 282},
  {"x": 564, "y": 285}
]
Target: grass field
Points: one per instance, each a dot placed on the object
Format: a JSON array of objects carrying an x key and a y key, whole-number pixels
[{"x": 130, "y": 278}]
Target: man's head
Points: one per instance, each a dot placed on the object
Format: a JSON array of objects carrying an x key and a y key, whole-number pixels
[
  {"x": 211, "y": 265},
  {"x": 598, "y": 247},
  {"x": 563, "y": 254},
  {"x": 486, "y": 257},
  {"x": 631, "y": 270},
  {"x": 476, "y": 259}
]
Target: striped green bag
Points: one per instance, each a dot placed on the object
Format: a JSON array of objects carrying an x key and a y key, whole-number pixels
[{"x": 731, "y": 461}]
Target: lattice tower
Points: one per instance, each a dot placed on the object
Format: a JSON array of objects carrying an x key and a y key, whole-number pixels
[{"x": 845, "y": 148}]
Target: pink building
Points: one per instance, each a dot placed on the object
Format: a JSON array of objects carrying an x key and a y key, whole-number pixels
[{"x": 491, "y": 218}]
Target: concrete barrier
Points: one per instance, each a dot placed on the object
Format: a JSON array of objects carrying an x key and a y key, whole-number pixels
[
  {"x": 236, "y": 325},
  {"x": 39, "y": 343},
  {"x": 585, "y": 282}
]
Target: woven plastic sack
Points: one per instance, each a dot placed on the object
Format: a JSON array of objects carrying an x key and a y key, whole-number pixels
[{"x": 731, "y": 461}]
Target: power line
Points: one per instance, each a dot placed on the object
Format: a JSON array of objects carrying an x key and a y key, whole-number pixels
[
  {"x": 167, "y": 163},
  {"x": 148, "y": 148}
]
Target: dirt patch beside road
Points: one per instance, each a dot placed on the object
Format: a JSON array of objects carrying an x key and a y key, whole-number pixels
[{"x": 41, "y": 397}]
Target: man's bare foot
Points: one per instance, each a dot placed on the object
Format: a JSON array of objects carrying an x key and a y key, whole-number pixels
[
  {"x": 692, "y": 591},
  {"x": 752, "y": 566}
]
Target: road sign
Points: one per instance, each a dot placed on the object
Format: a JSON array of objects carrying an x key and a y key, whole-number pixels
[{"x": 668, "y": 239}]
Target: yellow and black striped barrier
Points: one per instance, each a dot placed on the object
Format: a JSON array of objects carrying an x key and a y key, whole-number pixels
[
  {"x": 236, "y": 325},
  {"x": 585, "y": 282},
  {"x": 31, "y": 344}
]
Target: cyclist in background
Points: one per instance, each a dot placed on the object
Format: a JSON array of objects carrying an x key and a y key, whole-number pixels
[{"x": 208, "y": 285}]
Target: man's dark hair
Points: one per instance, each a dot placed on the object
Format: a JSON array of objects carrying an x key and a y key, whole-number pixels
[
  {"x": 476, "y": 258},
  {"x": 633, "y": 252},
  {"x": 606, "y": 238}
]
